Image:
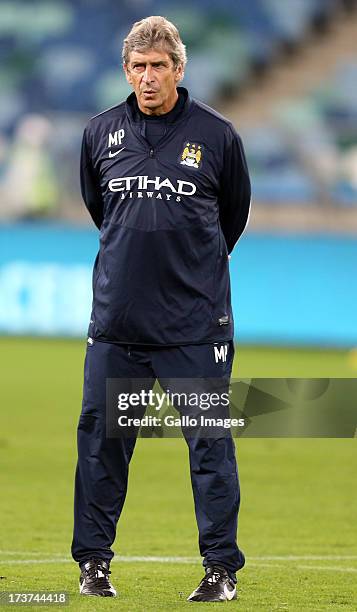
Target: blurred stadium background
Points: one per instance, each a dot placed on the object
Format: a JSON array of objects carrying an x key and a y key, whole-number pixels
[{"x": 285, "y": 72}]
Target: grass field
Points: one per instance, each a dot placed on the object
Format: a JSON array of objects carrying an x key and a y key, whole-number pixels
[{"x": 299, "y": 496}]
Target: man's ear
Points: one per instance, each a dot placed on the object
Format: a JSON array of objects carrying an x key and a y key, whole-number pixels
[
  {"x": 179, "y": 73},
  {"x": 127, "y": 73}
]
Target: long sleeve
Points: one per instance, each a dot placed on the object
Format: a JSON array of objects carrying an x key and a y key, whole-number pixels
[
  {"x": 90, "y": 187},
  {"x": 235, "y": 193}
]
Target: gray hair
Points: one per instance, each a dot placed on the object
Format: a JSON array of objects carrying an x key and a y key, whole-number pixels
[{"x": 153, "y": 32}]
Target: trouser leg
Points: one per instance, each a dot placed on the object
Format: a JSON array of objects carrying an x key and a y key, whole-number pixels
[
  {"x": 103, "y": 462},
  {"x": 216, "y": 492},
  {"x": 213, "y": 466}
]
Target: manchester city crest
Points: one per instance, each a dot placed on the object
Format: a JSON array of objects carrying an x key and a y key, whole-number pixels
[{"x": 191, "y": 155}]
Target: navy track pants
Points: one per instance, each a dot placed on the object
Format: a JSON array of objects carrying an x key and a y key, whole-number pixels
[{"x": 103, "y": 462}]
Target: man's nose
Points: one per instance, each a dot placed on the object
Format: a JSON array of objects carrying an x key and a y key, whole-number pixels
[{"x": 148, "y": 75}]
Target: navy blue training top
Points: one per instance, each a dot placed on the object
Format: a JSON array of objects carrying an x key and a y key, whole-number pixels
[
  {"x": 168, "y": 216},
  {"x": 156, "y": 126}
]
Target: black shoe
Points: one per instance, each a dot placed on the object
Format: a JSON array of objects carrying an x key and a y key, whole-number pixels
[
  {"x": 215, "y": 586},
  {"x": 94, "y": 579}
]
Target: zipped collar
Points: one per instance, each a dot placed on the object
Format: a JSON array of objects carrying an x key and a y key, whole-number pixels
[{"x": 134, "y": 116}]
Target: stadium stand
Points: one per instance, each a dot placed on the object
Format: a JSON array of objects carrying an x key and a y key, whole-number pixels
[{"x": 61, "y": 64}]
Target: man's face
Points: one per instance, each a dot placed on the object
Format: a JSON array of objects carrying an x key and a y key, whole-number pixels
[{"x": 154, "y": 79}]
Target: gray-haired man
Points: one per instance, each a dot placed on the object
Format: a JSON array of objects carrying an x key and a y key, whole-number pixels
[{"x": 164, "y": 177}]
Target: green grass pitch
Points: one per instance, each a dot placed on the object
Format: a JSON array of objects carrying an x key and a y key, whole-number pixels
[{"x": 298, "y": 510}]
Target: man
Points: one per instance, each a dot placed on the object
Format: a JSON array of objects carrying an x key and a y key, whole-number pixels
[{"x": 165, "y": 180}]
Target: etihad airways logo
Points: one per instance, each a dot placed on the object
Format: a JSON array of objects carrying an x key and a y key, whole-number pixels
[{"x": 157, "y": 188}]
